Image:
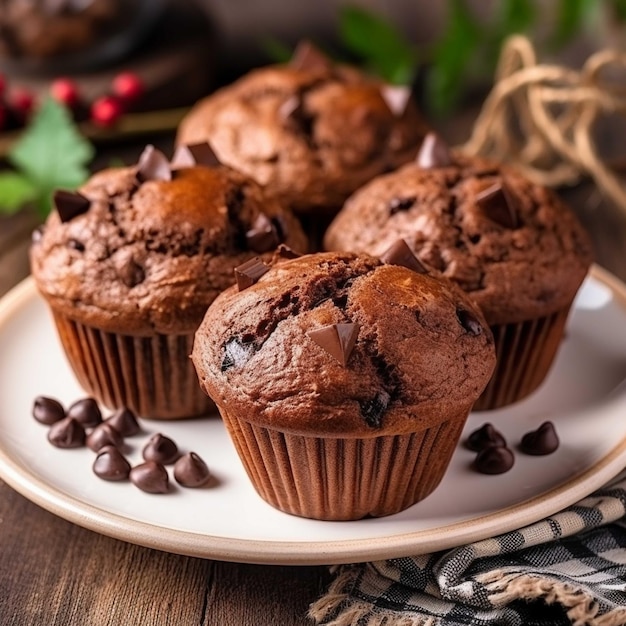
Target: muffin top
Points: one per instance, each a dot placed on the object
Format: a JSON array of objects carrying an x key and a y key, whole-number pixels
[
  {"x": 147, "y": 248},
  {"x": 338, "y": 344},
  {"x": 512, "y": 245},
  {"x": 310, "y": 130}
]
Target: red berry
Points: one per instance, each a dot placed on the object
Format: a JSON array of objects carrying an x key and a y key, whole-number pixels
[
  {"x": 128, "y": 86},
  {"x": 65, "y": 91},
  {"x": 3, "y": 84},
  {"x": 105, "y": 111},
  {"x": 22, "y": 103}
]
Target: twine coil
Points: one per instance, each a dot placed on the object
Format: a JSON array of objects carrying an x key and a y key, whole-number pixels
[{"x": 541, "y": 118}]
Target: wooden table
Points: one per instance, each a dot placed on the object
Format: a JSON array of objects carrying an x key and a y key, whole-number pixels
[{"x": 55, "y": 573}]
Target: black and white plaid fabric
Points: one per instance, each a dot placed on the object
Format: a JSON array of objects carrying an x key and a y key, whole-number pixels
[{"x": 569, "y": 568}]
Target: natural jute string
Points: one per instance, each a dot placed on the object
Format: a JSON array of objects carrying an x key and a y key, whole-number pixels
[{"x": 541, "y": 117}]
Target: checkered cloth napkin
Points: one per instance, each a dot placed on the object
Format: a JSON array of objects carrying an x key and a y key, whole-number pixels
[{"x": 569, "y": 568}]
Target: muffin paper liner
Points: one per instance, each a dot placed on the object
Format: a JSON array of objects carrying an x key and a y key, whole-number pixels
[
  {"x": 153, "y": 376},
  {"x": 525, "y": 353},
  {"x": 331, "y": 478}
]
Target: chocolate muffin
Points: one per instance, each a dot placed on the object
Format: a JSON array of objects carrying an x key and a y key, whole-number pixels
[
  {"x": 512, "y": 245},
  {"x": 311, "y": 131},
  {"x": 344, "y": 381},
  {"x": 129, "y": 264}
]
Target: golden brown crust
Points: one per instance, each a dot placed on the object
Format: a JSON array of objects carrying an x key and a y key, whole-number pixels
[
  {"x": 514, "y": 272},
  {"x": 423, "y": 351},
  {"x": 341, "y": 134},
  {"x": 151, "y": 257}
]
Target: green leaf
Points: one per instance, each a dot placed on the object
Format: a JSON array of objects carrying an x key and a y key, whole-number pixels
[
  {"x": 383, "y": 47},
  {"x": 15, "y": 192},
  {"x": 516, "y": 16},
  {"x": 456, "y": 48},
  {"x": 571, "y": 16},
  {"x": 52, "y": 153},
  {"x": 275, "y": 49}
]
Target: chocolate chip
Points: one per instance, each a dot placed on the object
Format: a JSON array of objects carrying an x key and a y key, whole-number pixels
[
  {"x": 397, "y": 97},
  {"x": 194, "y": 154},
  {"x": 104, "y": 435},
  {"x": 494, "y": 460},
  {"x": 400, "y": 204},
  {"x": 262, "y": 237},
  {"x": 47, "y": 410},
  {"x": 160, "y": 449},
  {"x": 484, "y": 437},
  {"x": 67, "y": 433},
  {"x": 86, "y": 412},
  {"x": 498, "y": 204},
  {"x": 236, "y": 353},
  {"x": 110, "y": 464},
  {"x": 399, "y": 253},
  {"x": 542, "y": 441},
  {"x": 249, "y": 272},
  {"x": 153, "y": 165},
  {"x": 469, "y": 322},
  {"x": 124, "y": 422},
  {"x": 74, "y": 244},
  {"x": 434, "y": 152},
  {"x": 191, "y": 471},
  {"x": 309, "y": 57},
  {"x": 285, "y": 252},
  {"x": 374, "y": 409},
  {"x": 292, "y": 108},
  {"x": 150, "y": 477},
  {"x": 337, "y": 339},
  {"x": 70, "y": 204},
  {"x": 131, "y": 273}
]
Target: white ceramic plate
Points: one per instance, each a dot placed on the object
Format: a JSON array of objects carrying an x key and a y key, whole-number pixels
[{"x": 228, "y": 521}]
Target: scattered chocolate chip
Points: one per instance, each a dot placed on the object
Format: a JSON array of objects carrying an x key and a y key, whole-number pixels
[
  {"x": 397, "y": 97},
  {"x": 104, "y": 435},
  {"x": 110, "y": 464},
  {"x": 285, "y": 252},
  {"x": 249, "y": 272},
  {"x": 374, "y": 409},
  {"x": 74, "y": 244},
  {"x": 67, "y": 433},
  {"x": 484, "y": 437},
  {"x": 160, "y": 449},
  {"x": 47, "y": 410},
  {"x": 542, "y": 441},
  {"x": 86, "y": 412},
  {"x": 124, "y": 422},
  {"x": 236, "y": 353},
  {"x": 337, "y": 339},
  {"x": 131, "y": 273},
  {"x": 498, "y": 204},
  {"x": 70, "y": 204},
  {"x": 399, "y": 253},
  {"x": 434, "y": 152},
  {"x": 153, "y": 165},
  {"x": 310, "y": 58},
  {"x": 262, "y": 237},
  {"x": 494, "y": 460},
  {"x": 191, "y": 471},
  {"x": 469, "y": 322},
  {"x": 396, "y": 205},
  {"x": 194, "y": 154},
  {"x": 150, "y": 477}
]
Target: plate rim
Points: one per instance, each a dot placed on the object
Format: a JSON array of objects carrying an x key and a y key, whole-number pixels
[{"x": 319, "y": 552}]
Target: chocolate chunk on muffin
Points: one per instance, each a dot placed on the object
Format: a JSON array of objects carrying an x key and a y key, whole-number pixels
[
  {"x": 311, "y": 130},
  {"x": 129, "y": 264},
  {"x": 512, "y": 245},
  {"x": 344, "y": 382}
]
